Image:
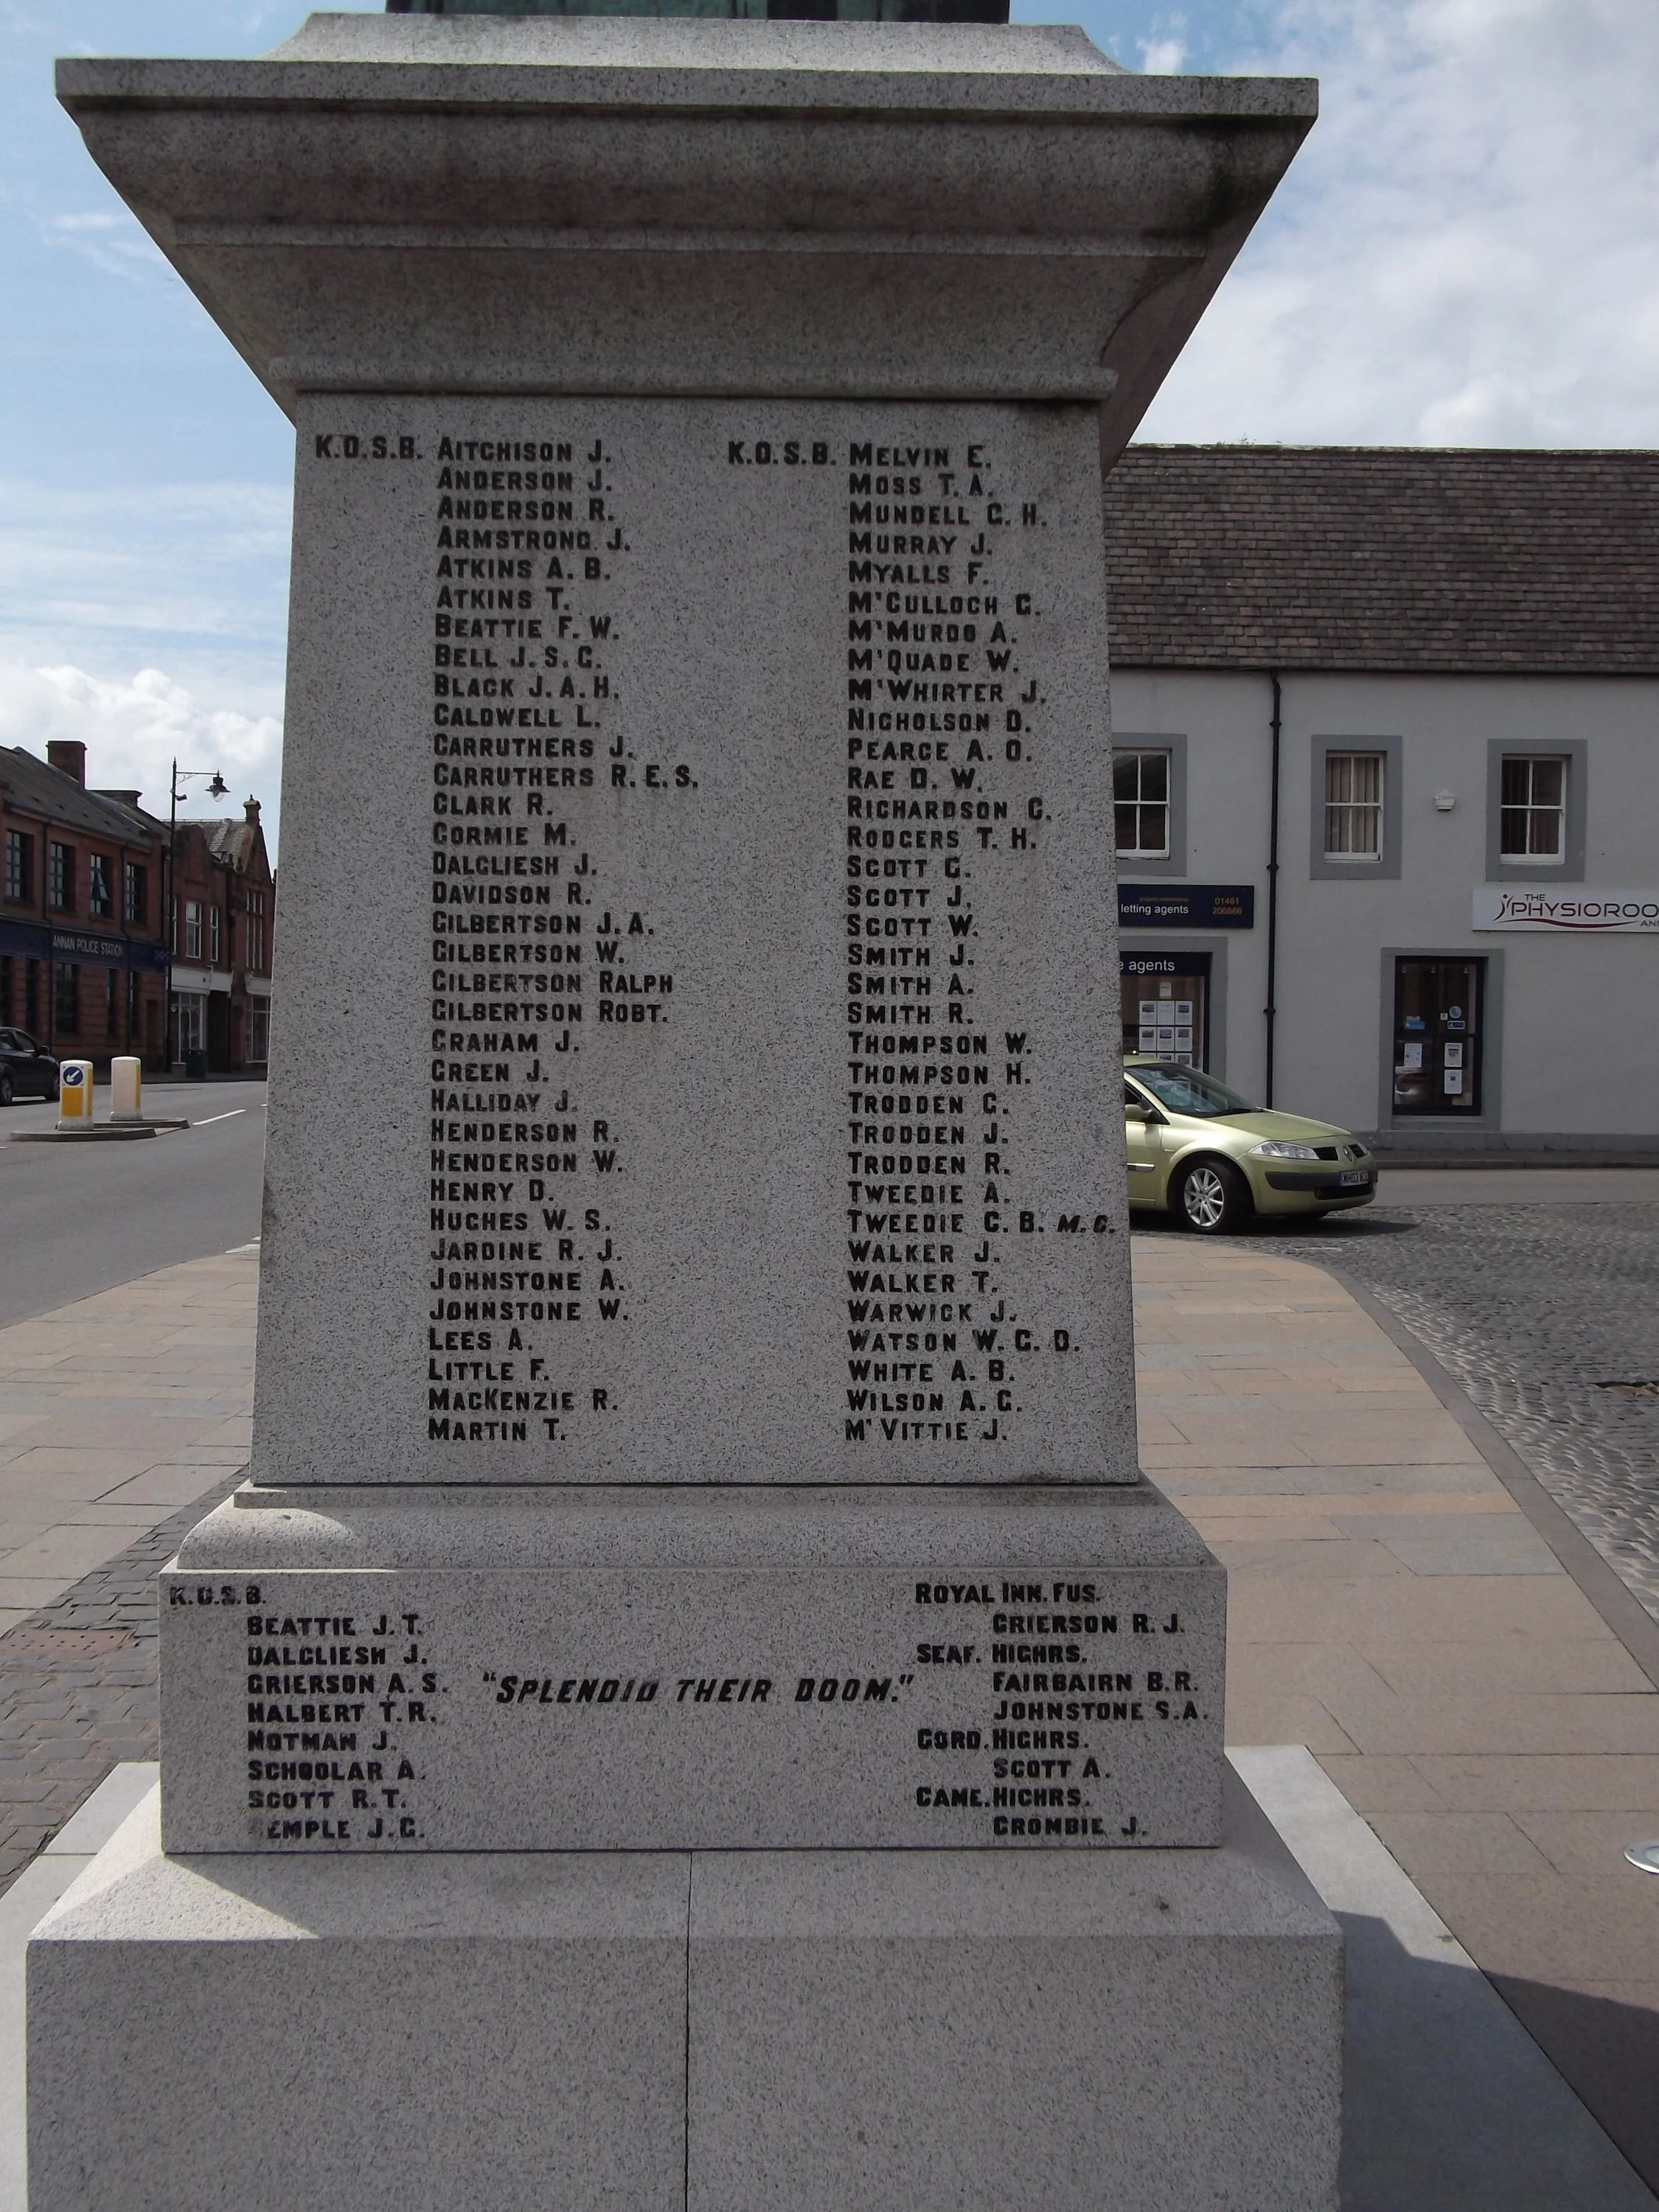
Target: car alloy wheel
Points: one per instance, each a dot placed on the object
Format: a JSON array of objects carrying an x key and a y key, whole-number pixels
[
  {"x": 5, "y": 1088},
  {"x": 1211, "y": 1199}
]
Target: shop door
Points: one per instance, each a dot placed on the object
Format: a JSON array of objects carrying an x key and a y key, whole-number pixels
[
  {"x": 1166, "y": 1005},
  {"x": 1438, "y": 1009}
]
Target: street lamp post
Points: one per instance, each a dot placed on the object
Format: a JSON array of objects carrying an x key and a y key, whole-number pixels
[{"x": 217, "y": 789}]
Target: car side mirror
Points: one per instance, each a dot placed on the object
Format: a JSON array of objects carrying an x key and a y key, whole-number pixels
[{"x": 1134, "y": 1113}]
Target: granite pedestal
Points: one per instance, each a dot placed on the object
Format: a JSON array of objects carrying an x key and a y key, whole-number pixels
[
  {"x": 611, "y": 2032},
  {"x": 696, "y": 1577}
]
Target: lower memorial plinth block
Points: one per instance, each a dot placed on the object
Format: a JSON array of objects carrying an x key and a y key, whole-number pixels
[
  {"x": 501, "y": 2033},
  {"x": 731, "y": 2031},
  {"x": 919, "y": 2032},
  {"x": 541, "y": 1669}
]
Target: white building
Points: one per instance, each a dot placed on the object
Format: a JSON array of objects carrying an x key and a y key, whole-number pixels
[{"x": 1426, "y": 685}]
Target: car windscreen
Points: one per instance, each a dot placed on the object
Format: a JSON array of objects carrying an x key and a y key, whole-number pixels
[{"x": 1187, "y": 1091}]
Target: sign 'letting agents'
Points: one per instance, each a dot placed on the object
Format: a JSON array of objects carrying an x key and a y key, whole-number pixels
[{"x": 1186, "y": 906}]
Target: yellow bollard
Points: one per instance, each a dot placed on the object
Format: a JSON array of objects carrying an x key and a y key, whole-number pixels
[
  {"x": 75, "y": 1094},
  {"x": 126, "y": 1077}
]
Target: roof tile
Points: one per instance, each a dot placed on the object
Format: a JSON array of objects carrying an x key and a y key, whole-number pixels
[{"x": 1402, "y": 558}]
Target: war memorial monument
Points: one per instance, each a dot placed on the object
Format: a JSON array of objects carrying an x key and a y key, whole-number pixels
[{"x": 695, "y": 1705}]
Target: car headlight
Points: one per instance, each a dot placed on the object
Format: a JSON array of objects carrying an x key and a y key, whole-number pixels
[{"x": 1274, "y": 1148}]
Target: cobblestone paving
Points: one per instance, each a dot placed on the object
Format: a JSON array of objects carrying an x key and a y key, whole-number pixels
[
  {"x": 1533, "y": 1309},
  {"x": 77, "y": 1688}
]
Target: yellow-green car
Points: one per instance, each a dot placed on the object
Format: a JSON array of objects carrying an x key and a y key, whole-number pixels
[{"x": 1214, "y": 1161}]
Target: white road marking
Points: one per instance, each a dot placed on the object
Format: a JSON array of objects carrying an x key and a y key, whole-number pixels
[{"x": 231, "y": 1116}]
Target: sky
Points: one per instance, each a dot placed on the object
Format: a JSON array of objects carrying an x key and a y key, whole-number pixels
[{"x": 1465, "y": 253}]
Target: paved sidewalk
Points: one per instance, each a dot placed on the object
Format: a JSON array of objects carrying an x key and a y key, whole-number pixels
[
  {"x": 1393, "y": 1609},
  {"x": 115, "y": 1412},
  {"x": 120, "y": 1417}
]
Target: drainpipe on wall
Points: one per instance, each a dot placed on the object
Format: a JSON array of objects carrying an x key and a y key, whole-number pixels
[{"x": 1270, "y": 1012}]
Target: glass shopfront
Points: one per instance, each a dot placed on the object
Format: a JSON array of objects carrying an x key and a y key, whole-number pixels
[
  {"x": 1439, "y": 1018},
  {"x": 1166, "y": 1005}
]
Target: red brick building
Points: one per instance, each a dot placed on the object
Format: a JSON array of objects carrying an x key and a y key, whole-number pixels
[
  {"x": 82, "y": 953},
  {"x": 223, "y": 900}
]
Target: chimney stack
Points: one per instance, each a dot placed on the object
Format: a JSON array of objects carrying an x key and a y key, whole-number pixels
[
  {"x": 251, "y": 812},
  {"x": 69, "y": 756}
]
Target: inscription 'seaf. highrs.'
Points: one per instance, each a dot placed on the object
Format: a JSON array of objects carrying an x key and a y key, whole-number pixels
[{"x": 994, "y": 1703}]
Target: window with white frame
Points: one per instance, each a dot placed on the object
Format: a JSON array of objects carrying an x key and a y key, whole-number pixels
[
  {"x": 1353, "y": 806},
  {"x": 193, "y": 929},
  {"x": 213, "y": 936},
  {"x": 1141, "y": 785},
  {"x": 190, "y": 1021},
  {"x": 1532, "y": 819}
]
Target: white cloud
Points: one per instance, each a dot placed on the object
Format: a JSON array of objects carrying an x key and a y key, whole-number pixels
[
  {"x": 203, "y": 562},
  {"x": 113, "y": 241},
  {"x": 1465, "y": 251},
  {"x": 135, "y": 727},
  {"x": 185, "y": 584},
  {"x": 1161, "y": 56}
]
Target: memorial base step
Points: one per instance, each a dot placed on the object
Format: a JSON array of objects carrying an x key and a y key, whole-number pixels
[
  {"x": 601, "y": 1668},
  {"x": 731, "y": 2031}
]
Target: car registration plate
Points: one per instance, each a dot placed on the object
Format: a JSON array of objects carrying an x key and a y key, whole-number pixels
[{"x": 1355, "y": 1178}]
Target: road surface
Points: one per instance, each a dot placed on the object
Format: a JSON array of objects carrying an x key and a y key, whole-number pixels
[{"x": 75, "y": 1218}]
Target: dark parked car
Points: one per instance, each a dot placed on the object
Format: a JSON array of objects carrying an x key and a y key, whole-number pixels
[{"x": 27, "y": 1070}]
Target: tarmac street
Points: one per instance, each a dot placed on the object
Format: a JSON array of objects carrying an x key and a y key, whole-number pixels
[
  {"x": 1429, "y": 1609},
  {"x": 73, "y": 1222}
]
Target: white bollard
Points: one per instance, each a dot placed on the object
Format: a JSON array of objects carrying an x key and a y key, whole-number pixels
[
  {"x": 75, "y": 1094},
  {"x": 126, "y": 1083}
]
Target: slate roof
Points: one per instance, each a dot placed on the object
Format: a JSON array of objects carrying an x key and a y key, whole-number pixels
[
  {"x": 34, "y": 786},
  {"x": 233, "y": 841},
  {"x": 1384, "y": 558}
]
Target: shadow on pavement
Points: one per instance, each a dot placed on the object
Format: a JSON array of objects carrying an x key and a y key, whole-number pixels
[
  {"x": 1451, "y": 2106},
  {"x": 1610, "y": 2054}
]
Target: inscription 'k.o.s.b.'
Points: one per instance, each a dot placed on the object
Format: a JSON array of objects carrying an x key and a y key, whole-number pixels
[
  {"x": 754, "y": 1000},
  {"x": 567, "y": 1710}
]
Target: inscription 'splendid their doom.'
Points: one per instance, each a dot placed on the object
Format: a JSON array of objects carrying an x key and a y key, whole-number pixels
[
  {"x": 721, "y": 975},
  {"x": 584, "y": 1710}
]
